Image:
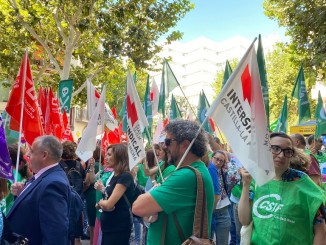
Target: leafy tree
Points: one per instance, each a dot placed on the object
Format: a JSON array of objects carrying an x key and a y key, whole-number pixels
[
  {"x": 98, "y": 34},
  {"x": 305, "y": 24},
  {"x": 282, "y": 69}
]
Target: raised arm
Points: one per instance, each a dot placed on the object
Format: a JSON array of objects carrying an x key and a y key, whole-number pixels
[{"x": 245, "y": 206}]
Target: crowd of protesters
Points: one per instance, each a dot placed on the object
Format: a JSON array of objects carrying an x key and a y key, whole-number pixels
[{"x": 290, "y": 209}]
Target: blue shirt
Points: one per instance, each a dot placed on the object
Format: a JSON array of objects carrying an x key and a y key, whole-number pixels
[{"x": 212, "y": 169}]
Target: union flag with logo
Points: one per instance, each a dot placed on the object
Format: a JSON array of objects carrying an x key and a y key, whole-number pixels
[
  {"x": 137, "y": 122},
  {"x": 239, "y": 111}
]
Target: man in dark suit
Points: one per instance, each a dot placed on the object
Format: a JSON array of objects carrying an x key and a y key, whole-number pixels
[{"x": 41, "y": 210}]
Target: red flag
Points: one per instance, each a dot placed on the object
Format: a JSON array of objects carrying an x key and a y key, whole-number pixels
[
  {"x": 114, "y": 112},
  {"x": 165, "y": 122},
  {"x": 211, "y": 122},
  {"x": 122, "y": 135},
  {"x": 24, "y": 87},
  {"x": 55, "y": 109},
  {"x": 114, "y": 137},
  {"x": 66, "y": 134},
  {"x": 105, "y": 142},
  {"x": 13, "y": 125},
  {"x": 42, "y": 104}
]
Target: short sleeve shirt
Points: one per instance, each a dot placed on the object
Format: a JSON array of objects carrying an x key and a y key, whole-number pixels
[
  {"x": 119, "y": 218},
  {"x": 213, "y": 171},
  {"x": 178, "y": 195}
]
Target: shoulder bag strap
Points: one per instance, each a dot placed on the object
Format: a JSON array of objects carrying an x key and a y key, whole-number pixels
[
  {"x": 165, "y": 224},
  {"x": 179, "y": 229},
  {"x": 200, "y": 226}
]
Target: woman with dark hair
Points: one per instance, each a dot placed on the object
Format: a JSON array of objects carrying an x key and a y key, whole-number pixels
[
  {"x": 116, "y": 217},
  {"x": 221, "y": 216},
  {"x": 165, "y": 165},
  {"x": 23, "y": 174},
  {"x": 288, "y": 209},
  {"x": 89, "y": 190}
]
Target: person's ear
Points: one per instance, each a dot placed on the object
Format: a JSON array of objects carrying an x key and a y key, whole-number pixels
[{"x": 185, "y": 144}]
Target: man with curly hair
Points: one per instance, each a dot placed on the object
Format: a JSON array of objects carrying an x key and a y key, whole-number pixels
[{"x": 175, "y": 199}]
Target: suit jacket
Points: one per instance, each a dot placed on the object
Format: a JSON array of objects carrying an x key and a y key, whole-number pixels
[{"x": 41, "y": 212}]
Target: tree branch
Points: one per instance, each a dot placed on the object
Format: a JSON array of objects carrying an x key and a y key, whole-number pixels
[
  {"x": 60, "y": 28},
  {"x": 36, "y": 36},
  {"x": 41, "y": 72}
]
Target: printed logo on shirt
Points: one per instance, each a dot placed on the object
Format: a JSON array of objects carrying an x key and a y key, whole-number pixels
[
  {"x": 266, "y": 205},
  {"x": 269, "y": 206}
]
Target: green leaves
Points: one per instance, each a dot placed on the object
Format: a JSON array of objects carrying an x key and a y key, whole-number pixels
[{"x": 304, "y": 21}]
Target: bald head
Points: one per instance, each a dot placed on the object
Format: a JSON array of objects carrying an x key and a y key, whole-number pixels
[{"x": 299, "y": 141}]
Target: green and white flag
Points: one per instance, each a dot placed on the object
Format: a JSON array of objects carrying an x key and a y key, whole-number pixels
[
  {"x": 148, "y": 109},
  {"x": 263, "y": 76},
  {"x": 283, "y": 118},
  {"x": 227, "y": 73},
  {"x": 174, "y": 109},
  {"x": 320, "y": 116},
  {"x": 203, "y": 106},
  {"x": 168, "y": 83},
  {"x": 300, "y": 92},
  {"x": 65, "y": 94}
]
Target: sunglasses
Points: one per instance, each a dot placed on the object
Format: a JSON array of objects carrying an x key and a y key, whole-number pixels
[
  {"x": 218, "y": 160},
  {"x": 168, "y": 141},
  {"x": 286, "y": 152}
]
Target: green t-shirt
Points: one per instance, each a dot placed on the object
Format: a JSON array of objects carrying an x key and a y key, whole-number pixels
[
  {"x": 7, "y": 202},
  {"x": 178, "y": 195},
  {"x": 320, "y": 157},
  {"x": 166, "y": 172},
  {"x": 141, "y": 177}
]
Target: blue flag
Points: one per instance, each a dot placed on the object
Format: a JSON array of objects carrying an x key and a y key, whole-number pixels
[{"x": 5, "y": 161}]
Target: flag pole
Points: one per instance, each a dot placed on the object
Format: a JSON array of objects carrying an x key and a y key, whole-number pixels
[
  {"x": 21, "y": 114},
  {"x": 157, "y": 163},
  {"x": 206, "y": 118},
  {"x": 192, "y": 109},
  {"x": 102, "y": 129}
]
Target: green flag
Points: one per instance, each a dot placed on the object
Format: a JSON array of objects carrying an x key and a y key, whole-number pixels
[
  {"x": 273, "y": 125},
  {"x": 300, "y": 92},
  {"x": 283, "y": 118},
  {"x": 148, "y": 109},
  {"x": 203, "y": 106},
  {"x": 135, "y": 77},
  {"x": 320, "y": 118},
  {"x": 227, "y": 73},
  {"x": 263, "y": 76},
  {"x": 168, "y": 83},
  {"x": 174, "y": 109},
  {"x": 65, "y": 94}
]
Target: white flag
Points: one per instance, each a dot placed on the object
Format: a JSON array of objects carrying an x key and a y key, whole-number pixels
[
  {"x": 137, "y": 122},
  {"x": 92, "y": 98},
  {"x": 240, "y": 113},
  {"x": 158, "y": 132},
  {"x": 155, "y": 95},
  {"x": 94, "y": 127}
]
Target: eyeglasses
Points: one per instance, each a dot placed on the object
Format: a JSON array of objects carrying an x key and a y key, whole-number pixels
[
  {"x": 218, "y": 159},
  {"x": 168, "y": 141},
  {"x": 286, "y": 152}
]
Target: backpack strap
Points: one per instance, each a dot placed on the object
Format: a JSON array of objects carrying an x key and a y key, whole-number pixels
[{"x": 64, "y": 166}]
